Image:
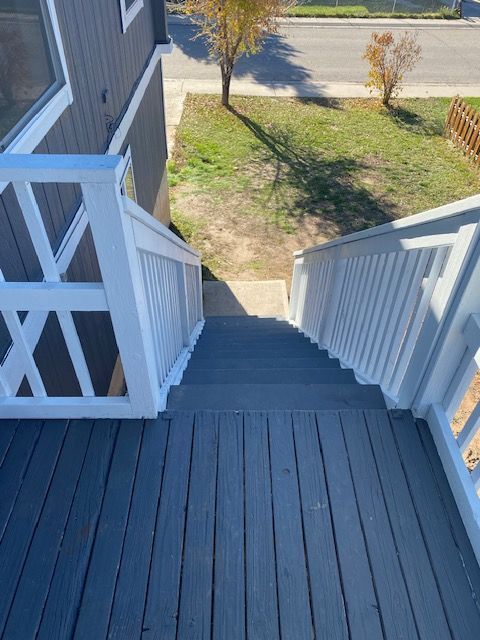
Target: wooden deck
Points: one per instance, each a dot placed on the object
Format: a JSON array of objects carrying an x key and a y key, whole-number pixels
[{"x": 271, "y": 525}]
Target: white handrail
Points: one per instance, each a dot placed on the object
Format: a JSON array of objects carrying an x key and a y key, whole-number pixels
[
  {"x": 157, "y": 227},
  {"x": 437, "y": 216},
  {"x": 171, "y": 283},
  {"x": 151, "y": 288},
  {"x": 399, "y": 305}
]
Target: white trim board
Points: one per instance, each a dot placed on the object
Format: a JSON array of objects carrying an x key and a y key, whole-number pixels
[
  {"x": 129, "y": 15},
  {"x": 121, "y": 132}
]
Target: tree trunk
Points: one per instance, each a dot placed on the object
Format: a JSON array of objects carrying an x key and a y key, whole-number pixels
[
  {"x": 226, "y": 79},
  {"x": 387, "y": 95}
]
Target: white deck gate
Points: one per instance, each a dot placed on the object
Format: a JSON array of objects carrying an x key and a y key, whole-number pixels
[
  {"x": 151, "y": 288},
  {"x": 400, "y": 305}
]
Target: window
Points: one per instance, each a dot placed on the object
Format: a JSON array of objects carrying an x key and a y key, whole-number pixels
[
  {"x": 32, "y": 68},
  {"x": 33, "y": 75},
  {"x": 128, "y": 178},
  {"x": 129, "y": 9}
]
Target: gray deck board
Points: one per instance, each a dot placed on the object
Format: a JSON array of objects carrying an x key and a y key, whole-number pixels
[
  {"x": 358, "y": 588},
  {"x": 97, "y": 598},
  {"x": 261, "y": 573},
  {"x": 129, "y": 601},
  {"x": 328, "y": 607},
  {"x": 195, "y": 611},
  {"x": 447, "y": 562},
  {"x": 66, "y": 587},
  {"x": 28, "y": 506},
  {"x": 161, "y": 613},
  {"x": 25, "y": 613},
  {"x": 292, "y": 580},
  {"x": 392, "y": 595},
  {"x": 229, "y": 578},
  {"x": 448, "y": 500},
  {"x": 7, "y": 433},
  {"x": 427, "y": 605},
  {"x": 14, "y": 466},
  {"x": 325, "y": 525}
]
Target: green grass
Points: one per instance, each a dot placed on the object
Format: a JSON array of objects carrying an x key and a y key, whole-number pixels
[
  {"x": 359, "y": 11},
  {"x": 366, "y": 9},
  {"x": 432, "y": 9},
  {"x": 346, "y": 164}
]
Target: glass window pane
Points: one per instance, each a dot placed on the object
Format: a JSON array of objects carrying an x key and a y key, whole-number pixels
[
  {"x": 26, "y": 64},
  {"x": 129, "y": 3},
  {"x": 128, "y": 186}
]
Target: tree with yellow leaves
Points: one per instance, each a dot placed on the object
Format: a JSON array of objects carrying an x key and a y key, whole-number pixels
[
  {"x": 389, "y": 60},
  {"x": 235, "y": 27}
]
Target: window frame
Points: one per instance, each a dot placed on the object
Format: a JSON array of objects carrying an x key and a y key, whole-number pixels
[
  {"x": 127, "y": 166},
  {"x": 40, "y": 123},
  {"x": 129, "y": 15}
]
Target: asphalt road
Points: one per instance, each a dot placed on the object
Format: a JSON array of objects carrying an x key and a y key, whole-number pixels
[{"x": 307, "y": 51}]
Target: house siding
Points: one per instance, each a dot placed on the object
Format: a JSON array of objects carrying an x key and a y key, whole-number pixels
[
  {"x": 102, "y": 60},
  {"x": 147, "y": 140}
]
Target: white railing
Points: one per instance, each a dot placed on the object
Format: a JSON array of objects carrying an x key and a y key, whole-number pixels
[
  {"x": 400, "y": 305},
  {"x": 151, "y": 287}
]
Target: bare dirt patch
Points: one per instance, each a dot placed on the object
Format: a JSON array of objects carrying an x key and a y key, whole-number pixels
[{"x": 243, "y": 247}]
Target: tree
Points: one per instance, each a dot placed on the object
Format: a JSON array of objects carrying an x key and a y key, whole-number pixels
[
  {"x": 389, "y": 60},
  {"x": 235, "y": 27}
]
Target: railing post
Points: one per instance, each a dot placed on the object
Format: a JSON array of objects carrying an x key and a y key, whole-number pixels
[
  {"x": 184, "y": 302},
  {"x": 117, "y": 256},
  {"x": 294, "y": 291},
  {"x": 332, "y": 297},
  {"x": 199, "y": 293},
  {"x": 425, "y": 381}
]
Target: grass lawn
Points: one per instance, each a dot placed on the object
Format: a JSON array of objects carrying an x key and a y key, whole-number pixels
[
  {"x": 273, "y": 175},
  {"x": 432, "y": 9},
  {"x": 373, "y": 9}
]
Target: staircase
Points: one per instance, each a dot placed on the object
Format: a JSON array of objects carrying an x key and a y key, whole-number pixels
[
  {"x": 277, "y": 497},
  {"x": 251, "y": 363}
]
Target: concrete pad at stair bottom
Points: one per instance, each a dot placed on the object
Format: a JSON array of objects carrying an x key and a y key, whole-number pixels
[{"x": 240, "y": 298}]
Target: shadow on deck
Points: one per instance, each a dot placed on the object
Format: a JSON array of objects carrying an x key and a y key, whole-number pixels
[{"x": 296, "y": 525}]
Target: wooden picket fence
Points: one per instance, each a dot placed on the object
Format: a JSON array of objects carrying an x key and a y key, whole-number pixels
[{"x": 462, "y": 127}]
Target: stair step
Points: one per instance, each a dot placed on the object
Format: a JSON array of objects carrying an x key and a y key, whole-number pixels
[
  {"x": 243, "y": 319},
  {"x": 251, "y": 364},
  {"x": 268, "y": 376},
  {"x": 245, "y": 323},
  {"x": 241, "y": 341},
  {"x": 244, "y": 334},
  {"x": 250, "y": 351},
  {"x": 244, "y": 397}
]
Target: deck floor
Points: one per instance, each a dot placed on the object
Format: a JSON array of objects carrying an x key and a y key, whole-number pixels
[{"x": 232, "y": 525}]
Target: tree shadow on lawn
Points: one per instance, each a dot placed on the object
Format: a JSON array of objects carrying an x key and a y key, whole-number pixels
[
  {"x": 274, "y": 63},
  {"x": 414, "y": 122},
  {"x": 304, "y": 182}
]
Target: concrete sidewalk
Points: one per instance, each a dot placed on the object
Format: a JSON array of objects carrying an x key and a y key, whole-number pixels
[
  {"x": 266, "y": 298},
  {"x": 313, "y": 89}
]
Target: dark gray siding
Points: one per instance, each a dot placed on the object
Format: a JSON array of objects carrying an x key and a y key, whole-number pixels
[
  {"x": 101, "y": 59},
  {"x": 160, "y": 20},
  {"x": 146, "y": 138}
]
